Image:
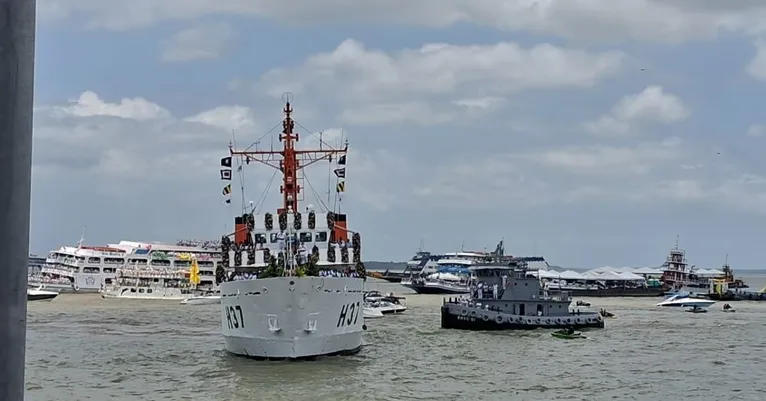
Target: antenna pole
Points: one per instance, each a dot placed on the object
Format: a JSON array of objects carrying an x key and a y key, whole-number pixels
[
  {"x": 17, "y": 59},
  {"x": 292, "y": 160}
]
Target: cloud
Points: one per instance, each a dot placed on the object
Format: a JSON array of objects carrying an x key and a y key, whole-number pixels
[
  {"x": 372, "y": 86},
  {"x": 204, "y": 42},
  {"x": 595, "y": 20},
  {"x": 756, "y": 130},
  {"x": 757, "y": 66},
  {"x": 128, "y": 139},
  {"x": 652, "y": 105},
  {"x": 229, "y": 118}
]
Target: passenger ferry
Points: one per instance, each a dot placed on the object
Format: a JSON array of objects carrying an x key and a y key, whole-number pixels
[
  {"x": 87, "y": 269},
  {"x": 163, "y": 283}
]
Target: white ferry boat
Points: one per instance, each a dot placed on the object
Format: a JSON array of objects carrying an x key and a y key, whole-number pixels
[
  {"x": 91, "y": 268},
  {"x": 451, "y": 273},
  {"x": 298, "y": 290},
  {"x": 171, "y": 284}
]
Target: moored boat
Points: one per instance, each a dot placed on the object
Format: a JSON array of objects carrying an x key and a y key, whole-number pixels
[{"x": 41, "y": 294}]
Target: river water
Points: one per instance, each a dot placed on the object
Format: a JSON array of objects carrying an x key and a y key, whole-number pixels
[{"x": 80, "y": 347}]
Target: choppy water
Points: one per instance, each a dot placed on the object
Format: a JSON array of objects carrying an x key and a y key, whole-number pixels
[{"x": 80, "y": 347}]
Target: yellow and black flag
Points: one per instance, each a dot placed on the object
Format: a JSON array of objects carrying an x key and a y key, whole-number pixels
[
  {"x": 226, "y": 192},
  {"x": 341, "y": 187}
]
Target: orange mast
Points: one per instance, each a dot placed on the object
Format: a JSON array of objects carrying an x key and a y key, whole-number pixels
[{"x": 291, "y": 160}]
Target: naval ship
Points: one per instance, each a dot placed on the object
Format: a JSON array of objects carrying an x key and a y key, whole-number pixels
[
  {"x": 513, "y": 300},
  {"x": 297, "y": 290}
]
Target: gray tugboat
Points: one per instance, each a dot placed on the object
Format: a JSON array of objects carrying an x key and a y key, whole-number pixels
[{"x": 506, "y": 298}]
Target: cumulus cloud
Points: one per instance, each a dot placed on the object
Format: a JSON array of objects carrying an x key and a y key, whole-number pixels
[
  {"x": 601, "y": 20},
  {"x": 652, "y": 105},
  {"x": 203, "y": 42},
  {"x": 372, "y": 86}
]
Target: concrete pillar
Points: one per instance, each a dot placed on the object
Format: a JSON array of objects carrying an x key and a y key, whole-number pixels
[{"x": 17, "y": 48}]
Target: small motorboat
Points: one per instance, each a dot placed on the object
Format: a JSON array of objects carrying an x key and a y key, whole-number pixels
[
  {"x": 685, "y": 301},
  {"x": 385, "y": 303},
  {"x": 371, "y": 313},
  {"x": 568, "y": 336},
  {"x": 39, "y": 294},
  {"x": 728, "y": 308}
]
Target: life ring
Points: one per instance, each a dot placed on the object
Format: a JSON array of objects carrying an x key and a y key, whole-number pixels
[
  {"x": 473, "y": 313},
  {"x": 486, "y": 318},
  {"x": 599, "y": 318},
  {"x": 529, "y": 321},
  {"x": 76, "y": 287},
  {"x": 569, "y": 320},
  {"x": 558, "y": 320},
  {"x": 464, "y": 312},
  {"x": 498, "y": 319},
  {"x": 577, "y": 320},
  {"x": 548, "y": 321},
  {"x": 538, "y": 320}
]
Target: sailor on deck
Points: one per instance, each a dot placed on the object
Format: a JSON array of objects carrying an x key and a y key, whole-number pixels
[{"x": 494, "y": 291}]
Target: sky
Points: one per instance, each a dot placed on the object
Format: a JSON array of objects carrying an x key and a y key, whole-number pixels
[{"x": 592, "y": 132}]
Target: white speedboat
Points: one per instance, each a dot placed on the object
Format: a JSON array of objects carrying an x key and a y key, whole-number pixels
[
  {"x": 385, "y": 307},
  {"x": 371, "y": 313},
  {"x": 39, "y": 294},
  {"x": 384, "y": 303},
  {"x": 685, "y": 301}
]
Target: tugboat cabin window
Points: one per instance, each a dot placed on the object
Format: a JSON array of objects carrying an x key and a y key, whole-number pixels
[
  {"x": 305, "y": 237},
  {"x": 91, "y": 270},
  {"x": 94, "y": 260},
  {"x": 274, "y": 238},
  {"x": 321, "y": 236}
]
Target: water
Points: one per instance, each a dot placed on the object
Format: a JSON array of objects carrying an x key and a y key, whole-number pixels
[{"x": 80, "y": 347}]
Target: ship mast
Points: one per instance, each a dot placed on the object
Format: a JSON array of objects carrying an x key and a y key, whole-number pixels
[{"x": 290, "y": 160}]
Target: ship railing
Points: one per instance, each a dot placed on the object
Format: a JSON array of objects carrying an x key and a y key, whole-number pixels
[{"x": 558, "y": 296}]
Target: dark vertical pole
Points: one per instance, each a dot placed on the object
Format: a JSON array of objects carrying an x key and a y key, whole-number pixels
[{"x": 17, "y": 49}]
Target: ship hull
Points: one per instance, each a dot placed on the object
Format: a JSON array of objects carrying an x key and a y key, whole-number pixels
[
  {"x": 434, "y": 289},
  {"x": 455, "y": 316},
  {"x": 292, "y": 317},
  {"x": 144, "y": 293}
]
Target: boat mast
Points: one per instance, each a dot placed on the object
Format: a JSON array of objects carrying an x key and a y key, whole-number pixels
[{"x": 291, "y": 160}]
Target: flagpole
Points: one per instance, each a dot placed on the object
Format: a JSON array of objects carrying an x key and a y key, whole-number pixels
[{"x": 17, "y": 59}]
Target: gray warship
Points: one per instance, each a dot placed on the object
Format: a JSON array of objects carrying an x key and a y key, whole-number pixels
[{"x": 507, "y": 298}]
